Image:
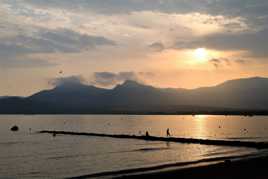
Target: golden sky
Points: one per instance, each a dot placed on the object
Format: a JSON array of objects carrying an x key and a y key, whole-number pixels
[{"x": 164, "y": 43}]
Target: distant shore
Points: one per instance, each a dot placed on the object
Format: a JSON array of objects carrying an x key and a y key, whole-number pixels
[{"x": 247, "y": 113}]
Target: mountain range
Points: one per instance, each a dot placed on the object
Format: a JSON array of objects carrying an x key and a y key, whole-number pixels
[{"x": 247, "y": 95}]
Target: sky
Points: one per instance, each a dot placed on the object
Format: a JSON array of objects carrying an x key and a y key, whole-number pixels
[{"x": 164, "y": 43}]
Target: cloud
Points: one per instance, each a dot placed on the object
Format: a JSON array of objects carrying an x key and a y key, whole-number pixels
[
  {"x": 10, "y": 49},
  {"x": 157, "y": 46},
  {"x": 123, "y": 6},
  {"x": 241, "y": 61},
  {"x": 255, "y": 43},
  {"x": 15, "y": 51},
  {"x": 15, "y": 55},
  {"x": 25, "y": 62},
  {"x": 50, "y": 41},
  {"x": 64, "y": 40},
  {"x": 223, "y": 62},
  {"x": 254, "y": 12},
  {"x": 219, "y": 62},
  {"x": 108, "y": 79},
  {"x": 126, "y": 19},
  {"x": 67, "y": 81},
  {"x": 248, "y": 8},
  {"x": 103, "y": 79},
  {"x": 126, "y": 6}
]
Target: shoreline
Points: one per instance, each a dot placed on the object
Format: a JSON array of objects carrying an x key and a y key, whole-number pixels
[
  {"x": 145, "y": 114},
  {"x": 208, "y": 168},
  {"x": 234, "y": 112},
  {"x": 228, "y": 167},
  {"x": 253, "y": 168}
]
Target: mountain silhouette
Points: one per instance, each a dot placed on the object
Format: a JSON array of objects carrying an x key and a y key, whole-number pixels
[{"x": 247, "y": 94}]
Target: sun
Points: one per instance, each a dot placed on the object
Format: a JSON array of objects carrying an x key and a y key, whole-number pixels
[{"x": 201, "y": 54}]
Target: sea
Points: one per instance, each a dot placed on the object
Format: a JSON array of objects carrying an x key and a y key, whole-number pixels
[{"x": 29, "y": 154}]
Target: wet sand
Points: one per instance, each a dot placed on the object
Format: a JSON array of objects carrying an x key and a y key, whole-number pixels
[{"x": 256, "y": 168}]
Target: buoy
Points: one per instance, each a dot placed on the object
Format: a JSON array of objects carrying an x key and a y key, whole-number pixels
[{"x": 14, "y": 128}]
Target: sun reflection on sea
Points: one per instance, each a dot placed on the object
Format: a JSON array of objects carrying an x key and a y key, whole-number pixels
[
  {"x": 201, "y": 129},
  {"x": 199, "y": 117}
]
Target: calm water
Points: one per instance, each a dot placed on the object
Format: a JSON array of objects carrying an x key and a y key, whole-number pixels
[{"x": 27, "y": 154}]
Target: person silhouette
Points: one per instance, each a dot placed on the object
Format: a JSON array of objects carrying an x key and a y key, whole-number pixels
[
  {"x": 147, "y": 134},
  {"x": 168, "y": 132}
]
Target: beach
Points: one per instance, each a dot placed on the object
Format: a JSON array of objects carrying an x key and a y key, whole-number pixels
[{"x": 254, "y": 168}]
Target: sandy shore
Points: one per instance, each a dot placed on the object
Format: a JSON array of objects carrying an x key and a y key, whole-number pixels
[{"x": 255, "y": 168}]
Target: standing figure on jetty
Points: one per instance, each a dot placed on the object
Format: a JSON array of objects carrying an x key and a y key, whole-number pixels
[
  {"x": 168, "y": 133},
  {"x": 147, "y": 134}
]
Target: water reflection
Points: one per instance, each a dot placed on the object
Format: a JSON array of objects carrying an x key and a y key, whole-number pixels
[
  {"x": 200, "y": 125},
  {"x": 80, "y": 155},
  {"x": 199, "y": 117}
]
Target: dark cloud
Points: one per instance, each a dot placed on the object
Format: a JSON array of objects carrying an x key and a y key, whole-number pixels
[
  {"x": 247, "y": 8},
  {"x": 50, "y": 41},
  {"x": 25, "y": 62},
  {"x": 124, "y": 6},
  {"x": 64, "y": 40},
  {"x": 256, "y": 43},
  {"x": 110, "y": 79},
  {"x": 67, "y": 81},
  {"x": 241, "y": 61},
  {"x": 215, "y": 62},
  {"x": 157, "y": 46},
  {"x": 255, "y": 14},
  {"x": 223, "y": 62},
  {"x": 10, "y": 49},
  {"x": 14, "y": 50},
  {"x": 103, "y": 79},
  {"x": 219, "y": 62}
]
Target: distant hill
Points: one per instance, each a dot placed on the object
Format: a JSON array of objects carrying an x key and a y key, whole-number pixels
[{"x": 132, "y": 97}]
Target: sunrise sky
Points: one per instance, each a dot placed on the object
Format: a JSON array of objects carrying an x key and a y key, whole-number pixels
[{"x": 164, "y": 43}]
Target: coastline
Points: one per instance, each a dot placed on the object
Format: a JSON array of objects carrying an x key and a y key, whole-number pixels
[
  {"x": 219, "y": 167},
  {"x": 163, "y": 110},
  {"x": 253, "y": 168},
  {"x": 247, "y": 113}
]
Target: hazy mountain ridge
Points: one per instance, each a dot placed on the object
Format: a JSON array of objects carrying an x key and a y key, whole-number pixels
[{"x": 131, "y": 96}]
